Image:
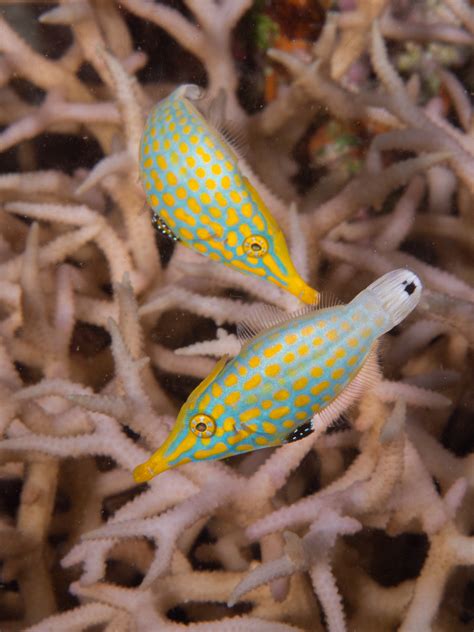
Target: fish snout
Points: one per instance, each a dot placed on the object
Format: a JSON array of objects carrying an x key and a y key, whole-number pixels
[
  {"x": 302, "y": 290},
  {"x": 155, "y": 465}
]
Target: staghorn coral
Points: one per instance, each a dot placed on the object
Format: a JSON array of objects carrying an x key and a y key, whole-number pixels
[{"x": 105, "y": 327}]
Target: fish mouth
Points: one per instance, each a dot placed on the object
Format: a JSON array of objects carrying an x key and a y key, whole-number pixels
[{"x": 155, "y": 465}]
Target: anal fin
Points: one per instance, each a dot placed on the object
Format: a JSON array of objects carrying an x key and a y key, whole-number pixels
[
  {"x": 340, "y": 424},
  {"x": 367, "y": 377}
]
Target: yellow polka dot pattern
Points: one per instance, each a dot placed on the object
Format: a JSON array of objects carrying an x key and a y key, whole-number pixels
[
  {"x": 190, "y": 175},
  {"x": 280, "y": 380}
]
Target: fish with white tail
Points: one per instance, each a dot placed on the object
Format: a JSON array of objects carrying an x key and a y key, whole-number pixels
[{"x": 290, "y": 369}]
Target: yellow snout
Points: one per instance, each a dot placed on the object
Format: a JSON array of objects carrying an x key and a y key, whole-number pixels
[
  {"x": 301, "y": 290},
  {"x": 155, "y": 465}
]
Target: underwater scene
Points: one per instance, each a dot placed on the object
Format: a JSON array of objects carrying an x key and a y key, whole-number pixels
[{"x": 236, "y": 316}]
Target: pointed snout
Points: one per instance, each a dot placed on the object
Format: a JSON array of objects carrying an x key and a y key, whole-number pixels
[
  {"x": 155, "y": 465},
  {"x": 302, "y": 290}
]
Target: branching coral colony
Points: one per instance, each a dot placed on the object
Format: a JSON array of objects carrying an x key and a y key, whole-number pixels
[{"x": 365, "y": 133}]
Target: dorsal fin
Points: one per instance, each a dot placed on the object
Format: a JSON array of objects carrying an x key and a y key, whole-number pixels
[
  {"x": 212, "y": 129},
  {"x": 268, "y": 316},
  {"x": 229, "y": 131},
  {"x": 215, "y": 111},
  {"x": 235, "y": 137}
]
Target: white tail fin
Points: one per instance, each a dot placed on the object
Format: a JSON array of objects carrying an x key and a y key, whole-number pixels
[{"x": 398, "y": 292}]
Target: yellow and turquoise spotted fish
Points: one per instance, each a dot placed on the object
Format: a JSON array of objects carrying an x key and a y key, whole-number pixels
[
  {"x": 198, "y": 196},
  {"x": 283, "y": 378}
]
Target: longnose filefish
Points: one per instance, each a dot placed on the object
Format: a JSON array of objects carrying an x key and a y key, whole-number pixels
[
  {"x": 199, "y": 196},
  {"x": 284, "y": 377}
]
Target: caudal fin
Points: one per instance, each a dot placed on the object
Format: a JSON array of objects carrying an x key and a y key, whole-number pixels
[{"x": 398, "y": 293}]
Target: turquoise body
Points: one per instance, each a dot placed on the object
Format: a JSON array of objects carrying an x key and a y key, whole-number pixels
[
  {"x": 283, "y": 377},
  {"x": 198, "y": 195},
  {"x": 279, "y": 380}
]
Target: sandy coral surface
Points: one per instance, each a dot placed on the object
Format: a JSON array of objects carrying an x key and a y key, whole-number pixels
[{"x": 356, "y": 122}]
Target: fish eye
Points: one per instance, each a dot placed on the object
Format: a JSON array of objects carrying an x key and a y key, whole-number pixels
[
  {"x": 202, "y": 425},
  {"x": 255, "y": 246}
]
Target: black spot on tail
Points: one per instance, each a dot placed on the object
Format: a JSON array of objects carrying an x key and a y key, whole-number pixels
[
  {"x": 409, "y": 287},
  {"x": 300, "y": 432}
]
